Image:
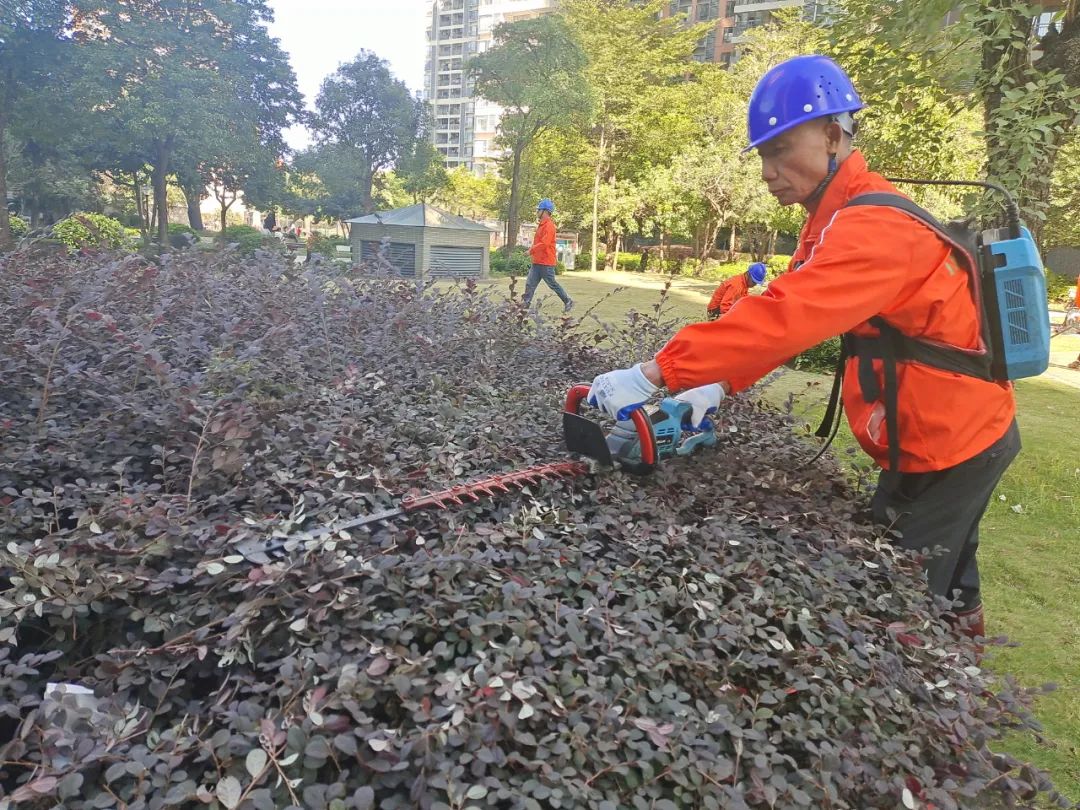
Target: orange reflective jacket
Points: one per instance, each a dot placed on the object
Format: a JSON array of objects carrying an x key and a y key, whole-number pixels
[
  {"x": 730, "y": 291},
  {"x": 543, "y": 246},
  {"x": 853, "y": 264}
]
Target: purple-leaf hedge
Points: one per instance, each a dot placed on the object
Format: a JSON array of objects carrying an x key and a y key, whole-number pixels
[{"x": 728, "y": 633}]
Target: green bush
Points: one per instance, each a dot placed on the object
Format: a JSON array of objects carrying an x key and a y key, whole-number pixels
[
  {"x": 821, "y": 358},
  {"x": 1058, "y": 286},
  {"x": 89, "y": 230},
  {"x": 327, "y": 245},
  {"x": 718, "y": 271},
  {"x": 246, "y": 238},
  {"x": 517, "y": 264},
  {"x": 181, "y": 235},
  {"x": 19, "y": 227},
  {"x": 627, "y": 262},
  {"x": 777, "y": 264}
]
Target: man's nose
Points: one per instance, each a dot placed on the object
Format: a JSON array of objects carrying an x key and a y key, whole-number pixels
[{"x": 768, "y": 170}]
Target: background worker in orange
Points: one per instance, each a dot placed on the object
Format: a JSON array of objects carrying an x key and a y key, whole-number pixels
[
  {"x": 734, "y": 288},
  {"x": 543, "y": 257},
  {"x": 956, "y": 434}
]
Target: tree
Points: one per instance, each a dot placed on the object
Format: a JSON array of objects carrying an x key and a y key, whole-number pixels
[
  {"x": 422, "y": 171},
  {"x": 369, "y": 116},
  {"x": 1028, "y": 87},
  {"x": 166, "y": 79},
  {"x": 467, "y": 195},
  {"x": 193, "y": 185},
  {"x": 1062, "y": 222},
  {"x": 234, "y": 163},
  {"x": 638, "y": 66},
  {"x": 330, "y": 181},
  {"x": 31, "y": 33},
  {"x": 535, "y": 71}
]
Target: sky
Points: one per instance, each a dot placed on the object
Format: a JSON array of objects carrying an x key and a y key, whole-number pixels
[{"x": 319, "y": 35}]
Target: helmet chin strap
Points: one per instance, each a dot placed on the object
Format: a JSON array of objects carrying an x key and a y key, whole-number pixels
[
  {"x": 849, "y": 127},
  {"x": 829, "y": 175}
]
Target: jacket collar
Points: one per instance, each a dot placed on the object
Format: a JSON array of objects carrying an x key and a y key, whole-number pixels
[{"x": 837, "y": 192}]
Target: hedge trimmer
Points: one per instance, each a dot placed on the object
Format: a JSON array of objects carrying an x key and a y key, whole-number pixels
[{"x": 636, "y": 445}]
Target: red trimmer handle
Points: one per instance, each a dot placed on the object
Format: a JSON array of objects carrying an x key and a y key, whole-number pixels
[{"x": 579, "y": 393}]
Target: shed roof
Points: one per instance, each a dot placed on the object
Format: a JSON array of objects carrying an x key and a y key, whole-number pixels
[{"x": 420, "y": 214}]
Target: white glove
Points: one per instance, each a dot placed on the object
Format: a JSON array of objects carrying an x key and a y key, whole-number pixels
[
  {"x": 704, "y": 400},
  {"x": 617, "y": 393}
]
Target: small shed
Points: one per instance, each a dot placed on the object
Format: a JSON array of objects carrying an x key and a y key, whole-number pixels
[{"x": 424, "y": 242}]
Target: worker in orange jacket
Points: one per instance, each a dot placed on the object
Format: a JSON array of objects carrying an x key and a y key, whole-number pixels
[
  {"x": 543, "y": 257},
  {"x": 734, "y": 288},
  {"x": 868, "y": 272}
]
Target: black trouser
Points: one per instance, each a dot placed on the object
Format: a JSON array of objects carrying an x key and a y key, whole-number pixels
[{"x": 944, "y": 509}]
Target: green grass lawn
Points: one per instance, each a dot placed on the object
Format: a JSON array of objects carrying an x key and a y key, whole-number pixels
[{"x": 1030, "y": 535}]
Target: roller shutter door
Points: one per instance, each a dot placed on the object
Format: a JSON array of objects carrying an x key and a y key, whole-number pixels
[
  {"x": 455, "y": 262},
  {"x": 402, "y": 255}
]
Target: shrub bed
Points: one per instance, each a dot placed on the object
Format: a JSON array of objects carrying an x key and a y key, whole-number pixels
[
  {"x": 726, "y": 633},
  {"x": 84, "y": 230},
  {"x": 247, "y": 238},
  {"x": 518, "y": 263}
]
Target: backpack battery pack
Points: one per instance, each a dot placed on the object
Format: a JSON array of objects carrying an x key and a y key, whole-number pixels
[{"x": 1014, "y": 291}]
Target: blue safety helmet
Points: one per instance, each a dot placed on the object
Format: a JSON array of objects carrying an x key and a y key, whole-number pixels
[
  {"x": 757, "y": 272},
  {"x": 546, "y": 205},
  {"x": 797, "y": 91}
]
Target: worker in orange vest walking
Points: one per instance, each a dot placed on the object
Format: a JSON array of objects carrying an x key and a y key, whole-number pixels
[
  {"x": 543, "y": 257},
  {"x": 883, "y": 280},
  {"x": 734, "y": 288}
]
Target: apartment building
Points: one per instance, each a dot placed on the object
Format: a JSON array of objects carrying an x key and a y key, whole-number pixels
[
  {"x": 465, "y": 126},
  {"x": 733, "y": 18}
]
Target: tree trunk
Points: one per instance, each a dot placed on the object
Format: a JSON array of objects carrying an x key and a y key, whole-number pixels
[
  {"x": 731, "y": 244},
  {"x": 596, "y": 200},
  {"x": 712, "y": 230},
  {"x": 193, "y": 196},
  {"x": 161, "y": 197},
  {"x": 224, "y": 216},
  {"x": 513, "y": 223},
  {"x": 610, "y": 245},
  {"x": 5, "y": 221},
  {"x": 141, "y": 208},
  {"x": 365, "y": 193}
]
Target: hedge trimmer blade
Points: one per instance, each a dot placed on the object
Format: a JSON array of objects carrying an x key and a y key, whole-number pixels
[
  {"x": 445, "y": 498},
  {"x": 503, "y": 482}
]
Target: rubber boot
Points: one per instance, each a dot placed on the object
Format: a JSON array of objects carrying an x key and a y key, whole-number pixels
[{"x": 972, "y": 623}]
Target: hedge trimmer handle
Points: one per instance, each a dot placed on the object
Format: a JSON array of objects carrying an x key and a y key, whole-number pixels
[{"x": 586, "y": 437}]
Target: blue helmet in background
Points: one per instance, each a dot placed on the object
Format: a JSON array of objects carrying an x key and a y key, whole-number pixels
[
  {"x": 797, "y": 91},
  {"x": 757, "y": 272},
  {"x": 546, "y": 205}
]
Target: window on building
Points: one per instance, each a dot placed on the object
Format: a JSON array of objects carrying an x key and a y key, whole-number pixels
[{"x": 706, "y": 48}]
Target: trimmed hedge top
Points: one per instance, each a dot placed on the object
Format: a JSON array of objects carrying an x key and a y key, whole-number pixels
[{"x": 726, "y": 633}]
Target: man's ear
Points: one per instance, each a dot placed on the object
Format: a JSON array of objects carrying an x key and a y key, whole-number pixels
[{"x": 834, "y": 136}]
